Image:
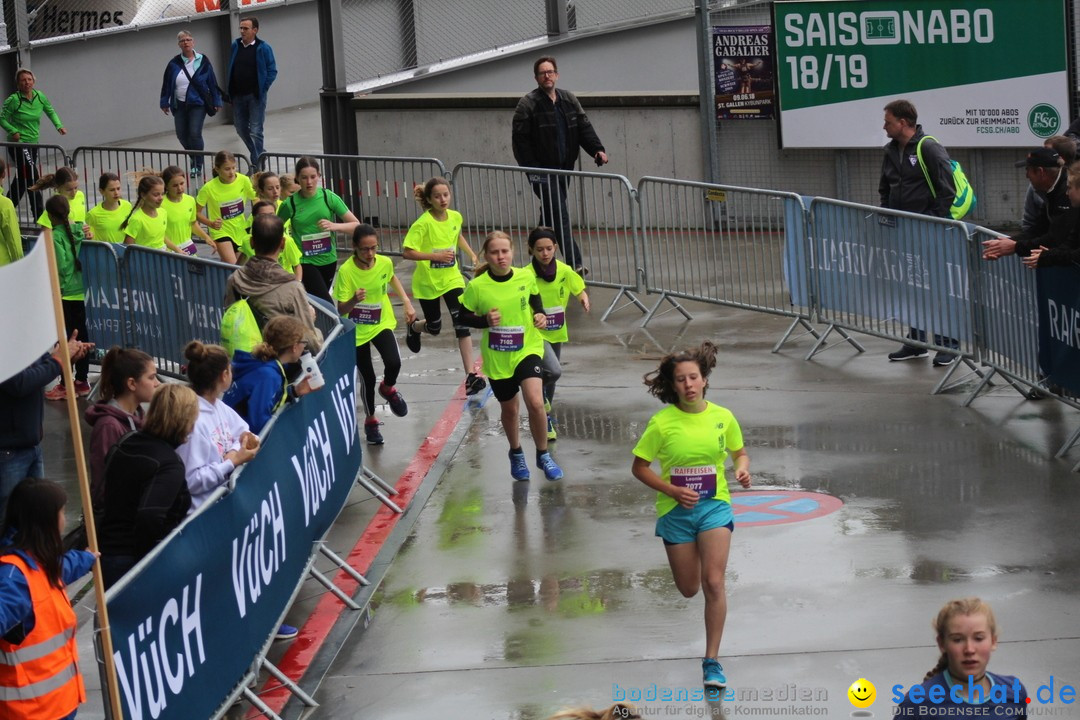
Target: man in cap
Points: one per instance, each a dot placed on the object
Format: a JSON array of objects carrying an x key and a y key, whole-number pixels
[{"x": 1045, "y": 170}]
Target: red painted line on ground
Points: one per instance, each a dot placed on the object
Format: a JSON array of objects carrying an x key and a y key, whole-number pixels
[{"x": 316, "y": 628}]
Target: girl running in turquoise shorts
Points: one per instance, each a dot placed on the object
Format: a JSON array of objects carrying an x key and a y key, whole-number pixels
[{"x": 691, "y": 437}]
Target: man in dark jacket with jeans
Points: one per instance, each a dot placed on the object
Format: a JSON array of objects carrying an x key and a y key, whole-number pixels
[
  {"x": 548, "y": 130},
  {"x": 904, "y": 187}
]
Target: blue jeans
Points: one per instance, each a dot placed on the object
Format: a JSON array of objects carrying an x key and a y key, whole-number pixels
[
  {"x": 189, "y": 120},
  {"x": 249, "y": 114},
  {"x": 15, "y": 465}
]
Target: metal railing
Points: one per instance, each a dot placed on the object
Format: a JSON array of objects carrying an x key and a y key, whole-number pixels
[
  {"x": 599, "y": 213},
  {"x": 26, "y": 164},
  {"x": 378, "y": 190}
]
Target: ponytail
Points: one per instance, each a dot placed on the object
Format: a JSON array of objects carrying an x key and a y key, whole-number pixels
[
  {"x": 942, "y": 663},
  {"x": 146, "y": 182}
]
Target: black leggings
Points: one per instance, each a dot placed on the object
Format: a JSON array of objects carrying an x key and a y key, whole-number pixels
[
  {"x": 317, "y": 280},
  {"x": 386, "y": 344},
  {"x": 75, "y": 319},
  {"x": 433, "y": 313},
  {"x": 24, "y": 161}
]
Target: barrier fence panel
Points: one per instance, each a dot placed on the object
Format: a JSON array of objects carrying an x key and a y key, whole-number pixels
[
  {"x": 129, "y": 163},
  {"x": 726, "y": 245},
  {"x": 887, "y": 273},
  {"x": 107, "y": 322},
  {"x": 1005, "y": 303},
  {"x": 193, "y": 617},
  {"x": 27, "y": 163},
  {"x": 602, "y": 216},
  {"x": 378, "y": 190}
]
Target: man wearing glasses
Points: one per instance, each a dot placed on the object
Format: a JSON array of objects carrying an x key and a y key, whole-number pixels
[{"x": 548, "y": 129}]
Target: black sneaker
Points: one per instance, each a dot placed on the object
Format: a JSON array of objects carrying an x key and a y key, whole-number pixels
[
  {"x": 397, "y": 402},
  {"x": 412, "y": 338},
  {"x": 371, "y": 430},
  {"x": 474, "y": 384},
  {"x": 908, "y": 352},
  {"x": 943, "y": 358}
]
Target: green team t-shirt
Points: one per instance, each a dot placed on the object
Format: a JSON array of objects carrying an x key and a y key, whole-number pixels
[
  {"x": 690, "y": 445},
  {"x": 290, "y": 255},
  {"x": 503, "y": 347},
  {"x": 76, "y": 214},
  {"x": 556, "y": 294},
  {"x": 374, "y": 314},
  {"x": 106, "y": 223},
  {"x": 227, "y": 203},
  {"x": 179, "y": 218},
  {"x": 431, "y": 279},
  {"x": 148, "y": 231},
  {"x": 319, "y": 247}
]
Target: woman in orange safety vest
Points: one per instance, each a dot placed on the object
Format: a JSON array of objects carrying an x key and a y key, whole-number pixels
[{"x": 39, "y": 672}]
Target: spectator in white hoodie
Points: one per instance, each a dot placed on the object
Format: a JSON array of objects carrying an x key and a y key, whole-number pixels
[{"x": 221, "y": 441}]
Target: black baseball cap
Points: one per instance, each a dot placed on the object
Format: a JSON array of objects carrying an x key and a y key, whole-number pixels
[{"x": 1041, "y": 157}]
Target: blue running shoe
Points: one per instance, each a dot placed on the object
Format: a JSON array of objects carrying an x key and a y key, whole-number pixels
[
  {"x": 519, "y": 469},
  {"x": 551, "y": 469},
  {"x": 286, "y": 632},
  {"x": 713, "y": 673}
]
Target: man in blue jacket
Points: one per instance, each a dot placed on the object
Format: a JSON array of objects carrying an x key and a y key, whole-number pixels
[{"x": 252, "y": 71}]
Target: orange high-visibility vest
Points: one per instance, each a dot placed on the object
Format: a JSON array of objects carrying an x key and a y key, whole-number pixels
[{"x": 39, "y": 677}]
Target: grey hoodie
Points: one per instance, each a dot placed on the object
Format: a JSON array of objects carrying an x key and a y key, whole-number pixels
[{"x": 273, "y": 291}]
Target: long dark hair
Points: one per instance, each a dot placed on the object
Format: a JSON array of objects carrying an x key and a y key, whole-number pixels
[
  {"x": 59, "y": 210},
  {"x": 32, "y": 519},
  {"x": 117, "y": 367},
  {"x": 146, "y": 183}
]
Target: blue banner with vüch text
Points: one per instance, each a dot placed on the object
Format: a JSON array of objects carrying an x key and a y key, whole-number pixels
[
  {"x": 187, "y": 626},
  {"x": 1059, "y": 326}
]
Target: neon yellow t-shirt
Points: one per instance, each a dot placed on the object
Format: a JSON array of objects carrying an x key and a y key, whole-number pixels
[
  {"x": 148, "y": 231},
  {"x": 290, "y": 255},
  {"x": 374, "y": 314},
  {"x": 179, "y": 218},
  {"x": 690, "y": 444},
  {"x": 503, "y": 347},
  {"x": 106, "y": 223},
  {"x": 318, "y": 246},
  {"x": 77, "y": 213},
  {"x": 432, "y": 280},
  {"x": 228, "y": 203},
  {"x": 556, "y": 294}
]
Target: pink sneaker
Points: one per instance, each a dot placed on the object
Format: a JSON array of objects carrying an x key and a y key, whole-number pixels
[
  {"x": 82, "y": 388},
  {"x": 57, "y": 393}
]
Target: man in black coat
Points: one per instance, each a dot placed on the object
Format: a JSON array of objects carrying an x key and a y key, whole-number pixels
[{"x": 549, "y": 127}]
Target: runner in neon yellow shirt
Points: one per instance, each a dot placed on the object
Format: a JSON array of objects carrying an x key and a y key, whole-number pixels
[
  {"x": 105, "y": 218},
  {"x": 222, "y": 201},
  {"x": 503, "y": 300},
  {"x": 361, "y": 294},
  {"x": 65, "y": 181},
  {"x": 147, "y": 225},
  {"x": 557, "y": 283},
  {"x": 433, "y": 241},
  {"x": 181, "y": 214},
  {"x": 268, "y": 188},
  {"x": 316, "y": 216},
  {"x": 691, "y": 438}
]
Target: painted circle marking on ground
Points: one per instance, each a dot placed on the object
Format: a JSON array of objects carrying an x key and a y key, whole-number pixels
[{"x": 777, "y": 507}]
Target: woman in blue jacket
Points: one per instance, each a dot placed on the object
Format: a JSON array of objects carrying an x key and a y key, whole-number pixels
[{"x": 190, "y": 90}]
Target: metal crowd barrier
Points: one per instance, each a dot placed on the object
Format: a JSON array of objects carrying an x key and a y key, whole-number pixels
[
  {"x": 378, "y": 190},
  {"x": 1005, "y": 301},
  {"x": 91, "y": 161},
  {"x": 887, "y": 273},
  {"x": 39, "y": 160},
  {"x": 726, "y": 245},
  {"x": 602, "y": 210}
]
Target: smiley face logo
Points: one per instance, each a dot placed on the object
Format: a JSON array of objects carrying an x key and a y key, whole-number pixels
[{"x": 862, "y": 693}]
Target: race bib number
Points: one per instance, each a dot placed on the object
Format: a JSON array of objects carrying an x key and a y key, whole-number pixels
[
  {"x": 437, "y": 265},
  {"x": 506, "y": 338},
  {"x": 232, "y": 209},
  {"x": 556, "y": 318},
  {"x": 315, "y": 243},
  {"x": 188, "y": 248},
  {"x": 700, "y": 479},
  {"x": 369, "y": 314}
]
